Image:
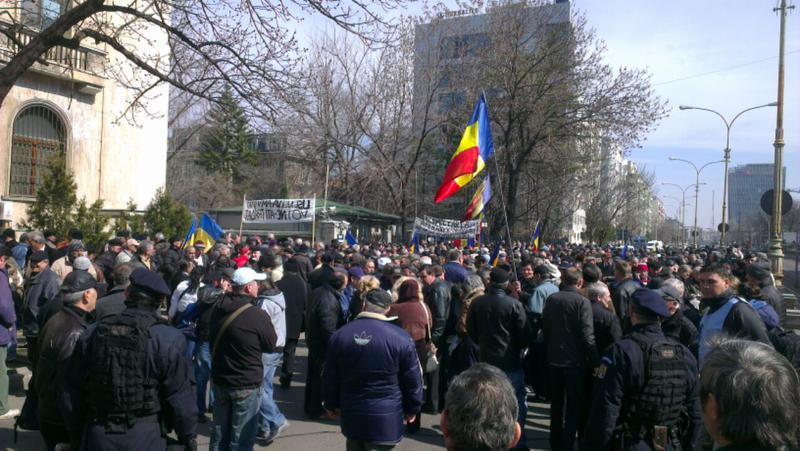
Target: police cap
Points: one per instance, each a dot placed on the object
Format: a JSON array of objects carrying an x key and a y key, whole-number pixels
[
  {"x": 149, "y": 282},
  {"x": 651, "y": 301}
]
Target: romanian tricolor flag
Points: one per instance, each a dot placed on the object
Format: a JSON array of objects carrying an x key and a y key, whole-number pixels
[
  {"x": 479, "y": 200},
  {"x": 470, "y": 158},
  {"x": 209, "y": 232},
  {"x": 537, "y": 232}
]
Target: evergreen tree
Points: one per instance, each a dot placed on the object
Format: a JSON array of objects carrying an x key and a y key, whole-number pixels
[
  {"x": 90, "y": 220},
  {"x": 55, "y": 199},
  {"x": 166, "y": 215},
  {"x": 129, "y": 219},
  {"x": 227, "y": 145}
]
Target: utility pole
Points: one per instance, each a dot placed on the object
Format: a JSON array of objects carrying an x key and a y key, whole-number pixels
[{"x": 776, "y": 241}]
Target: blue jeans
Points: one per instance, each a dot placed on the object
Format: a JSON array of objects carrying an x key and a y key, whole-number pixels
[
  {"x": 270, "y": 415},
  {"x": 235, "y": 418},
  {"x": 518, "y": 382},
  {"x": 202, "y": 374}
]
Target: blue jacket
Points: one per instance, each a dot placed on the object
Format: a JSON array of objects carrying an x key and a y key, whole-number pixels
[
  {"x": 373, "y": 375},
  {"x": 7, "y": 315},
  {"x": 455, "y": 272}
]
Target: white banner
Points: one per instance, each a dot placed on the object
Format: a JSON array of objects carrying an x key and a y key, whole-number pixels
[
  {"x": 446, "y": 228},
  {"x": 265, "y": 211}
]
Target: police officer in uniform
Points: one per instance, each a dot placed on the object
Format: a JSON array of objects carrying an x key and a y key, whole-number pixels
[
  {"x": 128, "y": 382},
  {"x": 645, "y": 390}
]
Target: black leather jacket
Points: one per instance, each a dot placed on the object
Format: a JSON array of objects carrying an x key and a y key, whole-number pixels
[
  {"x": 57, "y": 339},
  {"x": 437, "y": 296}
]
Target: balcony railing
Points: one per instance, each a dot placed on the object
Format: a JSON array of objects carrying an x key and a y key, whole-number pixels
[{"x": 84, "y": 59}]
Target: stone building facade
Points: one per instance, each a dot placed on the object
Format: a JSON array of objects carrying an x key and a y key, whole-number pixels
[{"x": 76, "y": 105}]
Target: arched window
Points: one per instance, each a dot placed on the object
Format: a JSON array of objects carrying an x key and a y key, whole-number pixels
[{"x": 39, "y": 134}]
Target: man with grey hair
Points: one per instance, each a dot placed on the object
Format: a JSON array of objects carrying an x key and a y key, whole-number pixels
[
  {"x": 373, "y": 379},
  {"x": 114, "y": 301},
  {"x": 145, "y": 254},
  {"x": 480, "y": 411},
  {"x": 607, "y": 329},
  {"x": 750, "y": 397},
  {"x": 58, "y": 338}
]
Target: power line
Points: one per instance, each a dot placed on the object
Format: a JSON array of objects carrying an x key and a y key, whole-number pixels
[{"x": 750, "y": 63}]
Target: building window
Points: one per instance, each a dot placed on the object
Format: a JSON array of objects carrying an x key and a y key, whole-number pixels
[
  {"x": 39, "y": 134},
  {"x": 40, "y": 14}
]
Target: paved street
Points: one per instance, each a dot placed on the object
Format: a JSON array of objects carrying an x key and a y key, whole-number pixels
[{"x": 302, "y": 435}]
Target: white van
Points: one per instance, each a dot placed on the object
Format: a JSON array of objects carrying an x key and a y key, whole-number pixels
[{"x": 655, "y": 246}]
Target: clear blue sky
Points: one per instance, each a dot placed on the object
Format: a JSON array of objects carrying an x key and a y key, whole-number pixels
[{"x": 719, "y": 54}]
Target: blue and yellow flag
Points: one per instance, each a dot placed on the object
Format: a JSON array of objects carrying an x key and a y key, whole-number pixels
[
  {"x": 209, "y": 232},
  {"x": 537, "y": 232},
  {"x": 414, "y": 247},
  {"x": 350, "y": 238},
  {"x": 190, "y": 233},
  {"x": 496, "y": 256}
]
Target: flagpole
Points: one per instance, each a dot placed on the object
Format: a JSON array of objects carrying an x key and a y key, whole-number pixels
[
  {"x": 241, "y": 221},
  {"x": 314, "y": 221},
  {"x": 503, "y": 204}
]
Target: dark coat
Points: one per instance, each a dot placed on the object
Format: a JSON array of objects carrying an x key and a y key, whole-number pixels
[
  {"x": 742, "y": 321},
  {"x": 774, "y": 298},
  {"x": 374, "y": 379},
  {"x": 106, "y": 262},
  {"x": 607, "y": 330},
  {"x": 680, "y": 329},
  {"x": 110, "y": 304},
  {"x": 58, "y": 339},
  {"x": 295, "y": 291},
  {"x": 323, "y": 317},
  {"x": 237, "y": 363},
  {"x": 454, "y": 272},
  {"x": 437, "y": 296},
  {"x": 320, "y": 276},
  {"x": 43, "y": 288},
  {"x": 623, "y": 373},
  {"x": 166, "y": 351},
  {"x": 568, "y": 329},
  {"x": 8, "y": 317},
  {"x": 621, "y": 297},
  {"x": 496, "y": 322}
]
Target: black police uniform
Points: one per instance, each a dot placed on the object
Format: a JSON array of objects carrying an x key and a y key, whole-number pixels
[
  {"x": 622, "y": 375},
  {"x": 166, "y": 363}
]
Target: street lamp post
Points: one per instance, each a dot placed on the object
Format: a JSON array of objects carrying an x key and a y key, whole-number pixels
[
  {"x": 696, "y": 190},
  {"x": 727, "y": 157},
  {"x": 683, "y": 208}
]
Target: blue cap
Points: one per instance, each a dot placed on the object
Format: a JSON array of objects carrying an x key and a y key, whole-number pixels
[
  {"x": 651, "y": 301},
  {"x": 149, "y": 281}
]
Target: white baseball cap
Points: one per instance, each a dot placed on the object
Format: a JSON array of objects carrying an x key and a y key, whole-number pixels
[{"x": 245, "y": 275}]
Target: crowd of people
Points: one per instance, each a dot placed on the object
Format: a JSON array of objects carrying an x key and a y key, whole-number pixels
[{"x": 132, "y": 346}]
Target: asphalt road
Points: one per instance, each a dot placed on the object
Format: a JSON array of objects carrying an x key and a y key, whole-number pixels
[{"x": 303, "y": 434}]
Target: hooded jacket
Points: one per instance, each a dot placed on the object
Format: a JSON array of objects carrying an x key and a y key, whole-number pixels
[
  {"x": 274, "y": 304},
  {"x": 44, "y": 287}
]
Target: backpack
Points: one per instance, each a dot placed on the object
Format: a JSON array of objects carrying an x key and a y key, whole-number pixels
[
  {"x": 121, "y": 385},
  {"x": 661, "y": 401},
  {"x": 787, "y": 343}
]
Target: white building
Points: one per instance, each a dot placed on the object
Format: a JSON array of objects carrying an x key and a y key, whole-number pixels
[{"x": 75, "y": 106}]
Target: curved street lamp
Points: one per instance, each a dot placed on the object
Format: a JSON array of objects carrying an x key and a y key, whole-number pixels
[
  {"x": 683, "y": 204},
  {"x": 727, "y": 158},
  {"x": 696, "y": 191}
]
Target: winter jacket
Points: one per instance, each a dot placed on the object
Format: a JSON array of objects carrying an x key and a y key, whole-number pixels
[
  {"x": 181, "y": 298},
  {"x": 44, "y": 287},
  {"x": 454, "y": 272},
  {"x": 742, "y": 321},
  {"x": 437, "y": 296},
  {"x": 680, "y": 329},
  {"x": 320, "y": 276},
  {"x": 774, "y": 298},
  {"x": 497, "y": 323},
  {"x": 295, "y": 292},
  {"x": 62, "y": 267},
  {"x": 415, "y": 318},
  {"x": 607, "y": 330},
  {"x": 621, "y": 297},
  {"x": 107, "y": 261},
  {"x": 535, "y": 303},
  {"x": 373, "y": 376},
  {"x": 275, "y": 306},
  {"x": 20, "y": 254},
  {"x": 323, "y": 316},
  {"x": 237, "y": 361},
  {"x": 111, "y": 304},
  {"x": 8, "y": 317},
  {"x": 57, "y": 340},
  {"x": 569, "y": 330}
]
